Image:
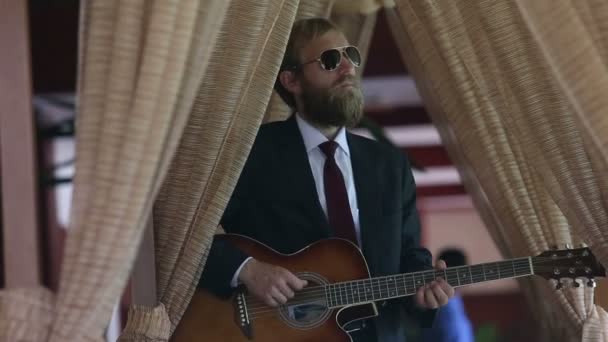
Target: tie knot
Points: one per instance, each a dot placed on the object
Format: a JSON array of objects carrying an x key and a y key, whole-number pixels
[{"x": 329, "y": 148}]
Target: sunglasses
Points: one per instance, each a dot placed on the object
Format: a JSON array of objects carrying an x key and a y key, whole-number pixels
[{"x": 331, "y": 59}]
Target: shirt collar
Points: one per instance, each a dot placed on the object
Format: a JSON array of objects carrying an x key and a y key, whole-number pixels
[{"x": 313, "y": 137}]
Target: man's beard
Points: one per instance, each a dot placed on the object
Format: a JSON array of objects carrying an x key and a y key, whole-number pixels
[{"x": 335, "y": 106}]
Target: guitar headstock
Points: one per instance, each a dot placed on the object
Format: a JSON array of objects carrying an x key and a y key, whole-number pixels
[{"x": 568, "y": 263}]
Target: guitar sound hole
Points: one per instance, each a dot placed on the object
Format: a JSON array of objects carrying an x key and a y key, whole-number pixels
[{"x": 308, "y": 308}]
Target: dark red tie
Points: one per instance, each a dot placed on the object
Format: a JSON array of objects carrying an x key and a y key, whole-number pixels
[{"x": 338, "y": 210}]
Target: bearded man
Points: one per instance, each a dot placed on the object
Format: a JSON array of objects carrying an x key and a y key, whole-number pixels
[{"x": 308, "y": 178}]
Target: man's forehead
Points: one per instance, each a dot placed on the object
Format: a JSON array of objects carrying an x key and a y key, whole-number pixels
[{"x": 328, "y": 40}]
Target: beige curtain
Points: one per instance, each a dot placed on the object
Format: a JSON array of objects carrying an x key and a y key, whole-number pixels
[
  {"x": 226, "y": 116},
  {"x": 574, "y": 41},
  {"x": 509, "y": 131},
  {"x": 141, "y": 63},
  {"x": 25, "y": 314}
]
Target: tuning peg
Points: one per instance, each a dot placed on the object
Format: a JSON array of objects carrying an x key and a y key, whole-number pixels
[
  {"x": 568, "y": 246},
  {"x": 591, "y": 283},
  {"x": 583, "y": 245}
]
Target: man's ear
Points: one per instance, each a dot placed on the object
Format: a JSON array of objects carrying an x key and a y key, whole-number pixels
[{"x": 290, "y": 81}]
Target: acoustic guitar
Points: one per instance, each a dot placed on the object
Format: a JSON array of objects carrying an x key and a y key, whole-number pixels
[{"x": 340, "y": 291}]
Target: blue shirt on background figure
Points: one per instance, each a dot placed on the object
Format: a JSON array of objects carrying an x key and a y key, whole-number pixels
[{"x": 451, "y": 324}]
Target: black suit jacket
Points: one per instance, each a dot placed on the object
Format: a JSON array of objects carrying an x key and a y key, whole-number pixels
[{"x": 276, "y": 203}]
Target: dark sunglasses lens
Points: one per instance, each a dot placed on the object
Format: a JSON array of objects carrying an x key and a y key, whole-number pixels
[
  {"x": 330, "y": 59},
  {"x": 354, "y": 55}
]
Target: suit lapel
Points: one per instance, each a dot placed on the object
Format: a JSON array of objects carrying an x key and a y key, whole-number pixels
[
  {"x": 365, "y": 173},
  {"x": 299, "y": 179}
]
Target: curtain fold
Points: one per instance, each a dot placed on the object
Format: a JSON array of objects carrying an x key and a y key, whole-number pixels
[
  {"x": 574, "y": 42},
  {"x": 139, "y": 62},
  {"x": 26, "y": 314},
  {"x": 363, "y": 7},
  {"x": 147, "y": 324},
  {"x": 227, "y": 113},
  {"x": 501, "y": 117}
]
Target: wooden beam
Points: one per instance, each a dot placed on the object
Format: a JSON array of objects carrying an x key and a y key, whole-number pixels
[{"x": 17, "y": 150}]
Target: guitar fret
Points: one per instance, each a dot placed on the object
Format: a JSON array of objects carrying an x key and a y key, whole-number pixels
[
  {"x": 419, "y": 282},
  {"x": 411, "y": 284},
  {"x": 513, "y": 267},
  {"x": 428, "y": 276},
  {"x": 388, "y": 290},
  {"x": 336, "y": 295},
  {"x": 471, "y": 274},
  {"x": 396, "y": 287},
  {"x": 369, "y": 290},
  {"x": 374, "y": 290}
]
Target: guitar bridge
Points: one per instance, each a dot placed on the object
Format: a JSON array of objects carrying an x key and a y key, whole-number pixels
[{"x": 242, "y": 315}]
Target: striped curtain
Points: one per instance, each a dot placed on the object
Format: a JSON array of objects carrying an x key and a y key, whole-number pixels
[
  {"x": 141, "y": 63},
  {"x": 512, "y": 135},
  {"x": 227, "y": 112}
]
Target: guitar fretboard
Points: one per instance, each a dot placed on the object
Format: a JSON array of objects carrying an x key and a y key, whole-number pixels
[{"x": 406, "y": 284}]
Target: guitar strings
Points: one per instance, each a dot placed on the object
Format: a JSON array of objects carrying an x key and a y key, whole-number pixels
[
  {"x": 345, "y": 292},
  {"x": 319, "y": 292},
  {"x": 348, "y": 294},
  {"x": 266, "y": 311},
  {"x": 261, "y": 310}
]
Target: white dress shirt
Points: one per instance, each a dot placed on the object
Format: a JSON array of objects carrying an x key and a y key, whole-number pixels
[{"x": 312, "y": 139}]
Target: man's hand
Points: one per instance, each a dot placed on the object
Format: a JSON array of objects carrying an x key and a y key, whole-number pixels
[
  {"x": 273, "y": 285},
  {"x": 435, "y": 294}
]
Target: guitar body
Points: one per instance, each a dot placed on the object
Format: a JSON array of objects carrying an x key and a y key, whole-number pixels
[{"x": 210, "y": 318}]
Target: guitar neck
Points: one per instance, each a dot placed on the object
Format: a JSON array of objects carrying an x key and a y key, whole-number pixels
[{"x": 406, "y": 284}]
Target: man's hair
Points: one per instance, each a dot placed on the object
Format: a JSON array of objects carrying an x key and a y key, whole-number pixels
[
  {"x": 303, "y": 31},
  {"x": 453, "y": 257}
]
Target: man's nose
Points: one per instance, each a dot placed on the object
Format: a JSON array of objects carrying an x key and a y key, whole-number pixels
[{"x": 346, "y": 67}]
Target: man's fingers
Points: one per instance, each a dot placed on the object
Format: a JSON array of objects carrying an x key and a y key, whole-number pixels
[
  {"x": 440, "y": 296},
  {"x": 278, "y": 296},
  {"x": 420, "y": 297},
  {"x": 429, "y": 299},
  {"x": 440, "y": 265},
  {"x": 271, "y": 302},
  {"x": 447, "y": 289},
  {"x": 285, "y": 290},
  {"x": 294, "y": 282}
]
